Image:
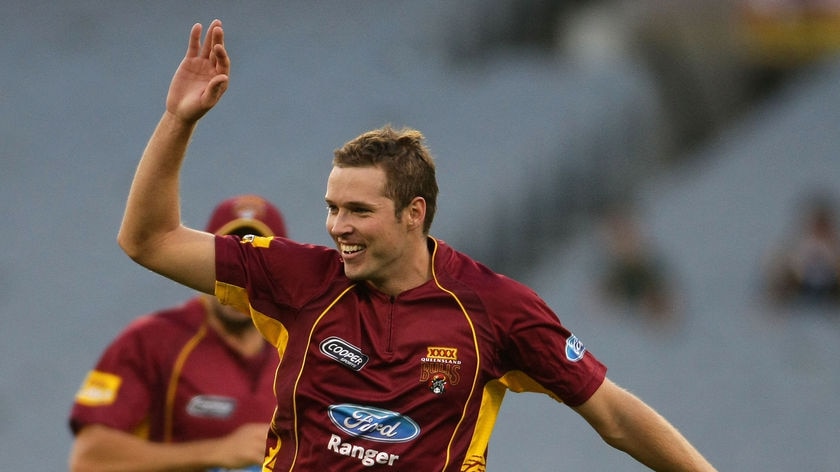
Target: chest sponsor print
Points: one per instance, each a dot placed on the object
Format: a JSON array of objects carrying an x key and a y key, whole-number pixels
[
  {"x": 375, "y": 424},
  {"x": 344, "y": 352},
  {"x": 211, "y": 406}
]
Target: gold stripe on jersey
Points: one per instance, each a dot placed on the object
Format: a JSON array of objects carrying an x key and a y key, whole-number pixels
[
  {"x": 261, "y": 241},
  {"x": 518, "y": 381},
  {"x": 232, "y": 295},
  {"x": 270, "y": 329},
  {"x": 491, "y": 403},
  {"x": 172, "y": 388},
  {"x": 473, "y": 443}
]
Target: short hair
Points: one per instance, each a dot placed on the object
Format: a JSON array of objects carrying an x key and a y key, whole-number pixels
[{"x": 409, "y": 166}]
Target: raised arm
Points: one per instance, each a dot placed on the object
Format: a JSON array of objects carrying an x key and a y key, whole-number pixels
[
  {"x": 627, "y": 423},
  {"x": 151, "y": 231}
]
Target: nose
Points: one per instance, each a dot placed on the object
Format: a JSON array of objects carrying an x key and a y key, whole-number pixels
[{"x": 338, "y": 224}]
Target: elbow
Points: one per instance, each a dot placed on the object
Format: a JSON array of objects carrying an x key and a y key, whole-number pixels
[
  {"x": 80, "y": 460},
  {"x": 76, "y": 464},
  {"x": 81, "y": 463},
  {"x": 613, "y": 437},
  {"x": 140, "y": 246},
  {"x": 130, "y": 246}
]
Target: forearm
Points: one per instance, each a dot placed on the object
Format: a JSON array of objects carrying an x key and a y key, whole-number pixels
[
  {"x": 627, "y": 423},
  {"x": 101, "y": 449},
  {"x": 653, "y": 441},
  {"x": 152, "y": 209},
  {"x": 151, "y": 232}
]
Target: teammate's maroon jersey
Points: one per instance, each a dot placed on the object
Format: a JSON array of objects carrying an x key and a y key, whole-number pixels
[
  {"x": 168, "y": 377},
  {"x": 411, "y": 382}
]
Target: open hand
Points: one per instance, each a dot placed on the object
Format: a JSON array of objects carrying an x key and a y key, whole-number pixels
[{"x": 203, "y": 75}]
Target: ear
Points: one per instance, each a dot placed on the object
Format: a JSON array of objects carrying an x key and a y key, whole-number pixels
[{"x": 415, "y": 213}]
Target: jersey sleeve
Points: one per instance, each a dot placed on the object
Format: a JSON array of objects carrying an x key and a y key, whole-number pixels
[
  {"x": 117, "y": 391},
  {"x": 275, "y": 276},
  {"x": 544, "y": 355}
]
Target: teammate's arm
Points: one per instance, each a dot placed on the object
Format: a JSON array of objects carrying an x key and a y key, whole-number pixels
[
  {"x": 151, "y": 231},
  {"x": 98, "y": 448},
  {"x": 627, "y": 423}
]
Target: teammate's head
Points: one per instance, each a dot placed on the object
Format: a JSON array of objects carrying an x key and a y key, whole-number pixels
[
  {"x": 246, "y": 214},
  {"x": 408, "y": 165},
  {"x": 242, "y": 215}
]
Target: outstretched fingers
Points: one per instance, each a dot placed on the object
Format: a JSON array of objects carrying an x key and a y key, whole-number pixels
[
  {"x": 195, "y": 41},
  {"x": 214, "y": 36},
  {"x": 202, "y": 77},
  {"x": 219, "y": 57}
]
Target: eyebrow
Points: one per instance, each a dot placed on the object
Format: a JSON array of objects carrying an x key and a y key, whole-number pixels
[{"x": 354, "y": 203}]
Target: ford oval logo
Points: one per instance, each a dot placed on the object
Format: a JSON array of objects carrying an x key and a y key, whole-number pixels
[{"x": 372, "y": 423}]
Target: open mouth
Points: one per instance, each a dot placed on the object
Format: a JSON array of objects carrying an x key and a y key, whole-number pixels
[{"x": 351, "y": 248}]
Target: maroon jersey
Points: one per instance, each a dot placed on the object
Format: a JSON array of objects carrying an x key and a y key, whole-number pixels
[
  {"x": 411, "y": 382},
  {"x": 168, "y": 377}
]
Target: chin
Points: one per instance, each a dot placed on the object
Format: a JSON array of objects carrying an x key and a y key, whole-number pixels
[
  {"x": 237, "y": 325},
  {"x": 233, "y": 317},
  {"x": 353, "y": 273}
]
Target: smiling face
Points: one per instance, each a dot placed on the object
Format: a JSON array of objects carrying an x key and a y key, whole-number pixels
[{"x": 378, "y": 245}]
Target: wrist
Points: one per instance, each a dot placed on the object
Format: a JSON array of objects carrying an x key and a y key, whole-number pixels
[{"x": 175, "y": 122}]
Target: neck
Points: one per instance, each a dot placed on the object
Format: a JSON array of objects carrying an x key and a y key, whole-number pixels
[{"x": 417, "y": 272}]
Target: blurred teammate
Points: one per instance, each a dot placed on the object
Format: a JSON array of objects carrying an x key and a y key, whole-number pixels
[
  {"x": 186, "y": 388},
  {"x": 397, "y": 349}
]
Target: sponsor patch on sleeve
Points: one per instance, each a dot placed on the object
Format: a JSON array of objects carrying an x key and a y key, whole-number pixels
[
  {"x": 99, "y": 389},
  {"x": 574, "y": 348}
]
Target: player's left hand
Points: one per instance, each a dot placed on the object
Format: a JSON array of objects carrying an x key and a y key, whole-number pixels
[{"x": 203, "y": 75}]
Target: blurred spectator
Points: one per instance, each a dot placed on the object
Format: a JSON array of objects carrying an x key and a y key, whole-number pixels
[
  {"x": 633, "y": 275},
  {"x": 807, "y": 267}
]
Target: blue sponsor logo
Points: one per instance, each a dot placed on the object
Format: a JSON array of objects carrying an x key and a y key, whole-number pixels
[
  {"x": 574, "y": 348},
  {"x": 372, "y": 423}
]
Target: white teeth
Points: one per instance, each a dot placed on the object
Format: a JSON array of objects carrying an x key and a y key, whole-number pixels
[{"x": 350, "y": 248}]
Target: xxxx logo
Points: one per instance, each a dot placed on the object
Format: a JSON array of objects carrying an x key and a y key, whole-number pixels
[{"x": 448, "y": 353}]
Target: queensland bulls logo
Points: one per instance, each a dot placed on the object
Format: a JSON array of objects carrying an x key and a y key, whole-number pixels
[{"x": 440, "y": 368}]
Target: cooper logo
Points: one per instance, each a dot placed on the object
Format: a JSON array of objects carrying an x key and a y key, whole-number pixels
[
  {"x": 574, "y": 348},
  {"x": 211, "y": 406},
  {"x": 344, "y": 352},
  {"x": 372, "y": 423}
]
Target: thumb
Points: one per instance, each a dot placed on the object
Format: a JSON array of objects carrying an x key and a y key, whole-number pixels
[{"x": 215, "y": 89}]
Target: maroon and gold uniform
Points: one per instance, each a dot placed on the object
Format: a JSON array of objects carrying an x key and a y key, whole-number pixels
[
  {"x": 169, "y": 377},
  {"x": 408, "y": 382}
]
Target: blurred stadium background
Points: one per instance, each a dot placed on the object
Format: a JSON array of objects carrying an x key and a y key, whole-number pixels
[{"x": 711, "y": 117}]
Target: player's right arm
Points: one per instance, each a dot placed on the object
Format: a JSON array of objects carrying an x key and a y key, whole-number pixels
[
  {"x": 151, "y": 232},
  {"x": 99, "y": 448}
]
